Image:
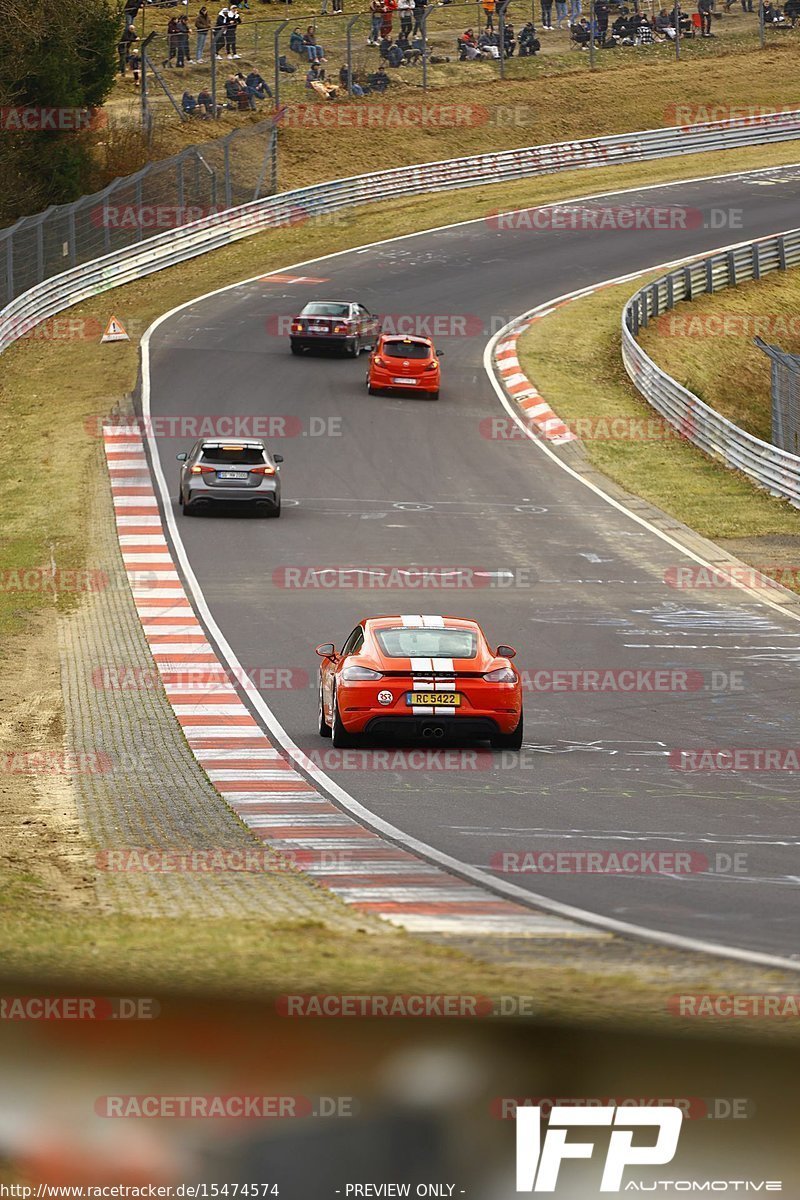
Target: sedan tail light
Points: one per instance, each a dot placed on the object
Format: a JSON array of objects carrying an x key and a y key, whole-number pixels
[
  {"x": 202, "y": 469},
  {"x": 354, "y": 673},
  {"x": 265, "y": 470},
  {"x": 297, "y": 326},
  {"x": 501, "y": 675},
  {"x": 344, "y": 327}
]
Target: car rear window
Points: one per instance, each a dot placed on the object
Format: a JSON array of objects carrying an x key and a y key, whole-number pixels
[
  {"x": 326, "y": 310},
  {"x": 427, "y": 643},
  {"x": 405, "y": 350},
  {"x": 242, "y": 455}
]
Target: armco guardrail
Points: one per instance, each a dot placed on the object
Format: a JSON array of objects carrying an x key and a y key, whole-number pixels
[
  {"x": 768, "y": 465},
  {"x": 177, "y": 245}
]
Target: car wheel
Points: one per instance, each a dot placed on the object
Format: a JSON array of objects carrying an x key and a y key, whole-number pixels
[
  {"x": 186, "y": 509},
  {"x": 272, "y": 510},
  {"x": 296, "y": 349},
  {"x": 508, "y": 741},
  {"x": 324, "y": 727},
  {"x": 434, "y": 395},
  {"x": 339, "y": 735},
  {"x": 373, "y": 391},
  {"x": 351, "y": 349}
]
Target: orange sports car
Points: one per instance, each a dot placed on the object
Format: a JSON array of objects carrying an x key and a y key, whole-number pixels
[
  {"x": 424, "y": 676},
  {"x": 404, "y": 364}
]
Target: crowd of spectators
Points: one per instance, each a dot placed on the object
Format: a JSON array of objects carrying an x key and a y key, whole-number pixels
[{"x": 406, "y": 45}]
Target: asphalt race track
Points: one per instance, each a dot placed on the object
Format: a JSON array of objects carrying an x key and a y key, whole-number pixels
[{"x": 398, "y": 481}]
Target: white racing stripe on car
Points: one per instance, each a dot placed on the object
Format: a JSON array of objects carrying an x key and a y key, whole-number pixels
[
  {"x": 443, "y": 664},
  {"x": 433, "y": 622},
  {"x": 413, "y": 622},
  {"x": 421, "y": 664}
]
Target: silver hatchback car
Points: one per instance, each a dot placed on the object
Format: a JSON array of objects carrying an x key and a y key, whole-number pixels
[{"x": 239, "y": 471}]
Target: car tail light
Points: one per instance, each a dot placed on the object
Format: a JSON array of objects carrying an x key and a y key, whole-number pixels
[
  {"x": 265, "y": 470},
  {"x": 501, "y": 675},
  {"x": 432, "y": 366},
  {"x": 344, "y": 327},
  {"x": 202, "y": 469},
  {"x": 354, "y": 673},
  {"x": 297, "y": 326},
  {"x": 378, "y": 361}
]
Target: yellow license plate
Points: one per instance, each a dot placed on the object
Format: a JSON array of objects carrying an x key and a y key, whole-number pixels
[{"x": 420, "y": 699}]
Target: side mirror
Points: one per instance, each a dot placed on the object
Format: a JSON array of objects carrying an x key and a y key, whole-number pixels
[
  {"x": 506, "y": 652},
  {"x": 328, "y": 650},
  {"x": 278, "y": 458},
  {"x": 182, "y": 457},
  {"x": 440, "y": 353}
]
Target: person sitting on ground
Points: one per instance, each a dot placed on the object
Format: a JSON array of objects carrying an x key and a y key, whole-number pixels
[
  {"x": 664, "y": 25},
  {"x": 467, "y": 47},
  {"x": 528, "y": 41},
  {"x": 580, "y": 34},
  {"x": 189, "y": 103},
  {"x": 643, "y": 31},
  {"x": 384, "y": 45},
  {"x": 509, "y": 40},
  {"x": 312, "y": 46},
  {"x": 394, "y": 56},
  {"x": 206, "y": 101},
  {"x": 379, "y": 80},
  {"x": 489, "y": 44},
  {"x": 238, "y": 95},
  {"x": 296, "y": 43},
  {"x": 259, "y": 85},
  {"x": 316, "y": 81},
  {"x": 622, "y": 30}
]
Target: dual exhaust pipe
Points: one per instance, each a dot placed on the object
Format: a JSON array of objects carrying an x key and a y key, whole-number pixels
[{"x": 433, "y": 731}]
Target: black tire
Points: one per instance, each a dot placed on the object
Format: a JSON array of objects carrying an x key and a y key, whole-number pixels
[
  {"x": 351, "y": 349},
  {"x": 296, "y": 349},
  {"x": 434, "y": 395},
  {"x": 508, "y": 741},
  {"x": 324, "y": 727},
  {"x": 271, "y": 510},
  {"x": 187, "y": 510},
  {"x": 339, "y": 735},
  {"x": 372, "y": 391}
]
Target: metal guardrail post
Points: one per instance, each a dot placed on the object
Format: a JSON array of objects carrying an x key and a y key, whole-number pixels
[
  {"x": 756, "y": 251},
  {"x": 731, "y": 268},
  {"x": 277, "y": 48},
  {"x": 781, "y": 253}
]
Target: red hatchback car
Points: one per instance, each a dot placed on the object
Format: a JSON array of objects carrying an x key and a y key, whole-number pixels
[
  {"x": 404, "y": 364},
  {"x": 419, "y": 675}
]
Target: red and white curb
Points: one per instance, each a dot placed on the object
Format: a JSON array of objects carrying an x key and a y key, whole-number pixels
[
  {"x": 536, "y": 411},
  {"x": 279, "y": 805}
]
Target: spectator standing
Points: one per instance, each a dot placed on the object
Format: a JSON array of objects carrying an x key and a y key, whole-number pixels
[
  {"x": 547, "y": 14},
  {"x": 376, "y": 16},
  {"x": 125, "y": 46},
  {"x": 419, "y": 17},
  {"x": 182, "y": 51},
  {"x": 172, "y": 41},
  {"x": 489, "y": 7},
  {"x": 601, "y": 15},
  {"x": 747, "y": 5},
  {"x": 406, "y": 10},
  {"x": 202, "y": 24},
  {"x": 561, "y": 13},
  {"x": 388, "y": 9},
  {"x": 232, "y": 23},
  {"x": 131, "y": 11},
  {"x": 574, "y": 11},
  {"x": 219, "y": 31},
  {"x": 704, "y": 9}
]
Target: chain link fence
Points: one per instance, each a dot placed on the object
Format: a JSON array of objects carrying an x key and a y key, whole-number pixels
[
  {"x": 203, "y": 179},
  {"x": 785, "y": 389}
]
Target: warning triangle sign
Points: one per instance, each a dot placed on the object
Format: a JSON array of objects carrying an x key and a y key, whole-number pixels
[{"x": 115, "y": 332}]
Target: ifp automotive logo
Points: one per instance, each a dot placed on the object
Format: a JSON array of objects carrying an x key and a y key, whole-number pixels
[{"x": 539, "y": 1160}]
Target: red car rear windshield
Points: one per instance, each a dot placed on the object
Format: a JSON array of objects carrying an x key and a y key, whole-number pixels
[
  {"x": 427, "y": 643},
  {"x": 406, "y": 350}
]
